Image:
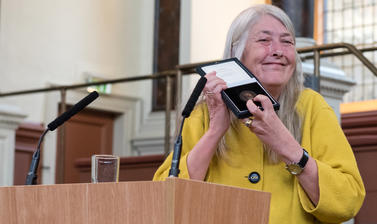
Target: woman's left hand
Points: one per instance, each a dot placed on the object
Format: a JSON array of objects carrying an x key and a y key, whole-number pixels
[{"x": 270, "y": 130}]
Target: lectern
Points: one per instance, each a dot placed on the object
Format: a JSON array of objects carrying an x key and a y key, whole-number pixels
[{"x": 164, "y": 202}]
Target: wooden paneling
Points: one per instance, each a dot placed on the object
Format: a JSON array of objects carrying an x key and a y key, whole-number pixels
[
  {"x": 131, "y": 168},
  {"x": 219, "y": 204},
  {"x": 361, "y": 131},
  {"x": 168, "y": 202},
  {"x": 27, "y": 136},
  {"x": 88, "y": 132}
]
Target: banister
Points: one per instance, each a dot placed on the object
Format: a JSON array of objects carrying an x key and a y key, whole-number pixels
[{"x": 185, "y": 69}]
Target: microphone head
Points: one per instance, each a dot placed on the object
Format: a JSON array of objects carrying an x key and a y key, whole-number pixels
[
  {"x": 74, "y": 110},
  {"x": 194, "y": 97}
]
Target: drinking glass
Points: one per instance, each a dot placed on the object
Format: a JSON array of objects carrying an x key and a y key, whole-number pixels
[{"x": 105, "y": 168}]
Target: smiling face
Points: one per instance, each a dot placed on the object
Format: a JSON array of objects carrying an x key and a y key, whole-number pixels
[{"x": 270, "y": 54}]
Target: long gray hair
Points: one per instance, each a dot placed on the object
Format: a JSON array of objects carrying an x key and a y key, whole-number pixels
[{"x": 236, "y": 41}]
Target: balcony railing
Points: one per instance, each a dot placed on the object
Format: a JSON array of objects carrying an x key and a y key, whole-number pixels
[{"x": 314, "y": 52}]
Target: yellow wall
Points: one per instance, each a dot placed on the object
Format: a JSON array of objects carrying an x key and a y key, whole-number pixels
[{"x": 361, "y": 106}]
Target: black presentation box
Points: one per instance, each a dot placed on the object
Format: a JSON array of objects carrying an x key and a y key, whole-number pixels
[{"x": 242, "y": 85}]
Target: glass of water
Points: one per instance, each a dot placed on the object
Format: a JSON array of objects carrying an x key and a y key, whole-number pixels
[{"x": 105, "y": 168}]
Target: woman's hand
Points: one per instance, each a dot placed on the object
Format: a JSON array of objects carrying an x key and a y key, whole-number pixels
[
  {"x": 218, "y": 113},
  {"x": 200, "y": 156},
  {"x": 271, "y": 131}
]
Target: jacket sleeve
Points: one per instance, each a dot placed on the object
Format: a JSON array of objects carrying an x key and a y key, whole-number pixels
[
  {"x": 193, "y": 129},
  {"x": 340, "y": 185}
]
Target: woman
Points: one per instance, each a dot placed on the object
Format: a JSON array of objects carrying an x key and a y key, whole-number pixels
[{"x": 299, "y": 153}]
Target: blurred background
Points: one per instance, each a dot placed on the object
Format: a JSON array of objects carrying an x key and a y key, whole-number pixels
[{"x": 140, "y": 55}]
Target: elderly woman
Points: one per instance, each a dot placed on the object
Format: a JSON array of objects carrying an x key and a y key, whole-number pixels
[{"x": 298, "y": 153}]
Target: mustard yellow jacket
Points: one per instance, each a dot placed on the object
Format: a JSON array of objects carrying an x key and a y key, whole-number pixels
[{"x": 341, "y": 188}]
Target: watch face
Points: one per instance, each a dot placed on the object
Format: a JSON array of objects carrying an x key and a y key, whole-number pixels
[{"x": 294, "y": 169}]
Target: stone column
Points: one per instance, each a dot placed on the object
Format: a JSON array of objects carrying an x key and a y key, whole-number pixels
[{"x": 10, "y": 118}]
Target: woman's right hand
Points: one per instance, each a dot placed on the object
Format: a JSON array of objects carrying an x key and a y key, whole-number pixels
[
  {"x": 200, "y": 156},
  {"x": 218, "y": 112}
]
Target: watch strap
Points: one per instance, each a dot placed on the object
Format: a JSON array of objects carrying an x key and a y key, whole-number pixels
[
  {"x": 304, "y": 159},
  {"x": 297, "y": 168}
]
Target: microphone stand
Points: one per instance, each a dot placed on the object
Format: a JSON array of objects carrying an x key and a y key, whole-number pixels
[
  {"x": 31, "y": 178},
  {"x": 174, "y": 169}
]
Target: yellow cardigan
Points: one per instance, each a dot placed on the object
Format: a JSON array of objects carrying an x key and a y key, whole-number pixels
[{"x": 341, "y": 188}]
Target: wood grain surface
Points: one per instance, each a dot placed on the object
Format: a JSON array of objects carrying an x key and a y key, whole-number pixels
[{"x": 166, "y": 202}]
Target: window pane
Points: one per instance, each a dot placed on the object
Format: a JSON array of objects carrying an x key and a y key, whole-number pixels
[
  {"x": 347, "y": 18},
  {"x": 355, "y": 22},
  {"x": 357, "y": 17},
  {"x": 338, "y": 5},
  {"x": 368, "y": 15}
]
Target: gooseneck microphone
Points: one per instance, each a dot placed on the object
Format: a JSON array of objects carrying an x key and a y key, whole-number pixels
[
  {"x": 31, "y": 178},
  {"x": 74, "y": 110},
  {"x": 174, "y": 169}
]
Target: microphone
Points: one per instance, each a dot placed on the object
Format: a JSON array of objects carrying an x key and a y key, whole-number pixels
[
  {"x": 194, "y": 97},
  {"x": 174, "y": 169},
  {"x": 31, "y": 178},
  {"x": 74, "y": 110}
]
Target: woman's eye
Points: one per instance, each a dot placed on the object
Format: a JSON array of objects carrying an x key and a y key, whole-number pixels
[
  {"x": 264, "y": 41},
  {"x": 288, "y": 42}
]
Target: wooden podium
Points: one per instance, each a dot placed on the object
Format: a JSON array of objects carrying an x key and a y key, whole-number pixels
[{"x": 164, "y": 202}]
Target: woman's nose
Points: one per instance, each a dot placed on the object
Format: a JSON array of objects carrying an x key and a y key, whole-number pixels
[
  {"x": 277, "y": 53},
  {"x": 276, "y": 49}
]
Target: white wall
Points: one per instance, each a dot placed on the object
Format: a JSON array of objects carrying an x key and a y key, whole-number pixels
[
  {"x": 209, "y": 24},
  {"x": 46, "y": 42}
]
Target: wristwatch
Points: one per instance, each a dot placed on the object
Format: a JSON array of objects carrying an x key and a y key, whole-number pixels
[{"x": 297, "y": 168}]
